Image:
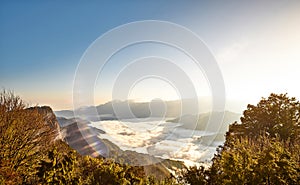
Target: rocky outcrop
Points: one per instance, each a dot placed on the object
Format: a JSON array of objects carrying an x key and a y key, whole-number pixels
[
  {"x": 78, "y": 135},
  {"x": 49, "y": 118}
]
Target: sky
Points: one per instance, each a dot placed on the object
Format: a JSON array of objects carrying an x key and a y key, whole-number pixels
[{"x": 256, "y": 45}]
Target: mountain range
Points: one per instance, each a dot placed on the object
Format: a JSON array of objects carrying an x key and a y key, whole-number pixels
[{"x": 129, "y": 109}]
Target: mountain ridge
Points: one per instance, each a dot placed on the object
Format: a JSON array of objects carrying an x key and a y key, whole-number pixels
[{"x": 128, "y": 109}]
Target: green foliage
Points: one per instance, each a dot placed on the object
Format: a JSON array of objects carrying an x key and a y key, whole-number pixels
[
  {"x": 24, "y": 136},
  {"x": 194, "y": 175},
  {"x": 106, "y": 172},
  {"x": 30, "y": 153},
  {"x": 263, "y": 149},
  {"x": 276, "y": 116},
  {"x": 60, "y": 166},
  {"x": 99, "y": 171},
  {"x": 263, "y": 161}
]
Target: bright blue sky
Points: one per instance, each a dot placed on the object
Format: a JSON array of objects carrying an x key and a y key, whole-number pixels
[{"x": 41, "y": 42}]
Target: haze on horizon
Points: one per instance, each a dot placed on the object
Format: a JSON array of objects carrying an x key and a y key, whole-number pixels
[{"x": 256, "y": 44}]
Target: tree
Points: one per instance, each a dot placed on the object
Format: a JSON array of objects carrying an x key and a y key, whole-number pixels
[
  {"x": 98, "y": 172},
  {"x": 194, "y": 175},
  {"x": 31, "y": 153},
  {"x": 60, "y": 166},
  {"x": 263, "y": 161},
  {"x": 263, "y": 149},
  {"x": 277, "y": 163},
  {"x": 24, "y": 135},
  {"x": 276, "y": 116}
]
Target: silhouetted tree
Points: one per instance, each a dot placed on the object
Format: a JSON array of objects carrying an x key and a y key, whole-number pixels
[
  {"x": 276, "y": 116},
  {"x": 263, "y": 149}
]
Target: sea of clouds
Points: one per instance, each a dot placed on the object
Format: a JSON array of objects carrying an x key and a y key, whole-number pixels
[{"x": 158, "y": 138}]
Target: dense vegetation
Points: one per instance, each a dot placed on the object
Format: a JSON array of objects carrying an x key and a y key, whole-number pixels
[
  {"x": 31, "y": 153},
  {"x": 263, "y": 149}
]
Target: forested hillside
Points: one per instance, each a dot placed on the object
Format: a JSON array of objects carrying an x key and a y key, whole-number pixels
[
  {"x": 33, "y": 153},
  {"x": 262, "y": 149}
]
